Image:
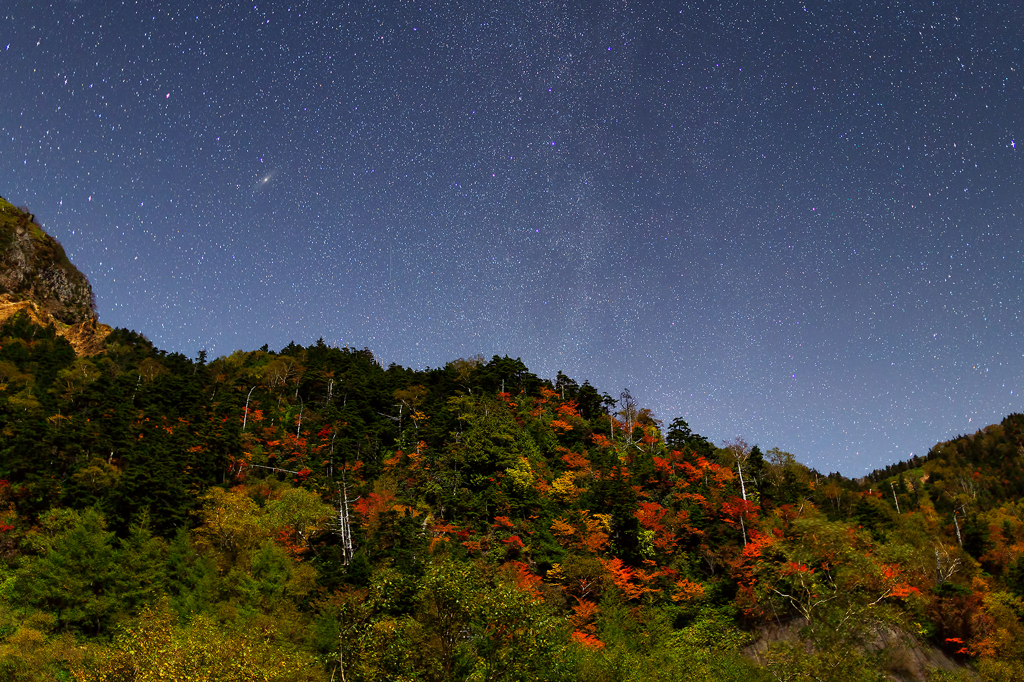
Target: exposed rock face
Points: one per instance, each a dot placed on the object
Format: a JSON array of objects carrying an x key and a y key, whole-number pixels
[
  {"x": 37, "y": 279},
  {"x": 903, "y": 658}
]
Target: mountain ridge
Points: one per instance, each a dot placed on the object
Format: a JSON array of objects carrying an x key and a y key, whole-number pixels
[{"x": 326, "y": 513}]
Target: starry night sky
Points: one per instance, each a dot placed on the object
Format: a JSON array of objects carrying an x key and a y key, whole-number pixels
[{"x": 799, "y": 223}]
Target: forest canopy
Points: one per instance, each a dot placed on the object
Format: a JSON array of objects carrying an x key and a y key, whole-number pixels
[{"x": 308, "y": 514}]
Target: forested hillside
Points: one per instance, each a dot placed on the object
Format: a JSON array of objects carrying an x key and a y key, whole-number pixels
[{"x": 308, "y": 514}]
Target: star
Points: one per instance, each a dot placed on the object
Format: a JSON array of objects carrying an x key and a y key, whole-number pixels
[{"x": 419, "y": 193}]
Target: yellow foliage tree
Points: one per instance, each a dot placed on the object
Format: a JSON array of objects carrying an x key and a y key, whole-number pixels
[{"x": 158, "y": 647}]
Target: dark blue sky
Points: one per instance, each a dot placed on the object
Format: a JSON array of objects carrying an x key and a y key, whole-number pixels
[{"x": 799, "y": 223}]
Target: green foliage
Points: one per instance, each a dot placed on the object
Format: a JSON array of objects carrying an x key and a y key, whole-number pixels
[
  {"x": 327, "y": 516},
  {"x": 73, "y": 572},
  {"x": 160, "y": 647},
  {"x": 448, "y": 598},
  {"x": 193, "y": 581},
  {"x": 643, "y": 646}
]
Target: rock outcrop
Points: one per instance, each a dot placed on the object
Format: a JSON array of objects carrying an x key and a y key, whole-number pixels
[
  {"x": 900, "y": 656},
  {"x": 37, "y": 279}
]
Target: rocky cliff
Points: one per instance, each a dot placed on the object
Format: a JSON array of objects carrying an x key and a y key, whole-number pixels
[{"x": 37, "y": 278}]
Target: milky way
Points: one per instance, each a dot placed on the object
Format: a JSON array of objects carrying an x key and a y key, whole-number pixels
[{"x": 799, "y": 223}]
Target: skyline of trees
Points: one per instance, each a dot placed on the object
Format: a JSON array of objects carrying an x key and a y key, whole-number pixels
[{"x": 322, "y": 515}]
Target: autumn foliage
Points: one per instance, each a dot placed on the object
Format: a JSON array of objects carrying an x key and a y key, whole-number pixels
[{"x": 311, "y": 514}]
